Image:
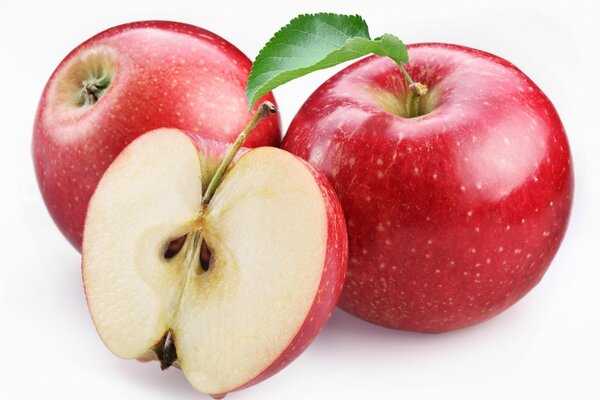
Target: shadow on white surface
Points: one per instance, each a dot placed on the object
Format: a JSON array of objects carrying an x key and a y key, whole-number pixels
[
  {"x": 356, "y": 341},
  {"x": 70, "y": 284},
  {"x": 168, "y": 384},
  {"x": 347, "y": 327}
]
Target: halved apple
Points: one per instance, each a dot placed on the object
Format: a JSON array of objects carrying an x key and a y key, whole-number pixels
[{"x": 233, "y": 290}]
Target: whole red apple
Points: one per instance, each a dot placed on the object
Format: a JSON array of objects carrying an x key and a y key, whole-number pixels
[
  {"x": 126, "y": 81},
  {"x": 455, "y": 214}
]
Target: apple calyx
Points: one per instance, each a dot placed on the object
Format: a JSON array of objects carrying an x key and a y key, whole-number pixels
[
  {"x": 197, "y": 253},
  {"x": 93, "y": 89},
  {"x": 165, "y": 351}
]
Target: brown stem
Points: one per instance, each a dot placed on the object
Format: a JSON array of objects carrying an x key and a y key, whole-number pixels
[
  {"x": 264, "y": 110},
  {"x": 416, "y": 91}
]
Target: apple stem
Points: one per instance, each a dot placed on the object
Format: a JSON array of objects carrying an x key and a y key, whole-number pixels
[
  {"x": 264, "y": 110},
  {"x": 406, "y": 75},
  {"x": 417, "y": 90}
]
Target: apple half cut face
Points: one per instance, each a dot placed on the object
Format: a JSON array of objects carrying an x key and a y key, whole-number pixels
[{"x": 233, "y": 290}]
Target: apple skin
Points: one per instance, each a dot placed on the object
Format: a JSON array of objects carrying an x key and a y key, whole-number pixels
[
  {"x": 166, "y": 74},
  {"x": 452, "y": 216}
]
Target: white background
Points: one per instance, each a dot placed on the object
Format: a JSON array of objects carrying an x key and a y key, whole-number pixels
[{"x": 546, "y": 346}]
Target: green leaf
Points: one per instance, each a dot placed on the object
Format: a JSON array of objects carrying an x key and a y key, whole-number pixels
[{"x": 316, "y": 41}]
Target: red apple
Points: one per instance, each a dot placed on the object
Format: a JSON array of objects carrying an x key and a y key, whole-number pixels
[
  {"x": 125, "y": 81},
  {"x": 230, "y": 291},
  {"x": 453, "y": 215}
]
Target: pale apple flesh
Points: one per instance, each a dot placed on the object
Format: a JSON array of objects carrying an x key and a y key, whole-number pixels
[{"x": 278, "y": 252}]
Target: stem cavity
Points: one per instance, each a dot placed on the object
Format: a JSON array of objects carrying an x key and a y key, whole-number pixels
[{"x": 415, "y": 92}]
